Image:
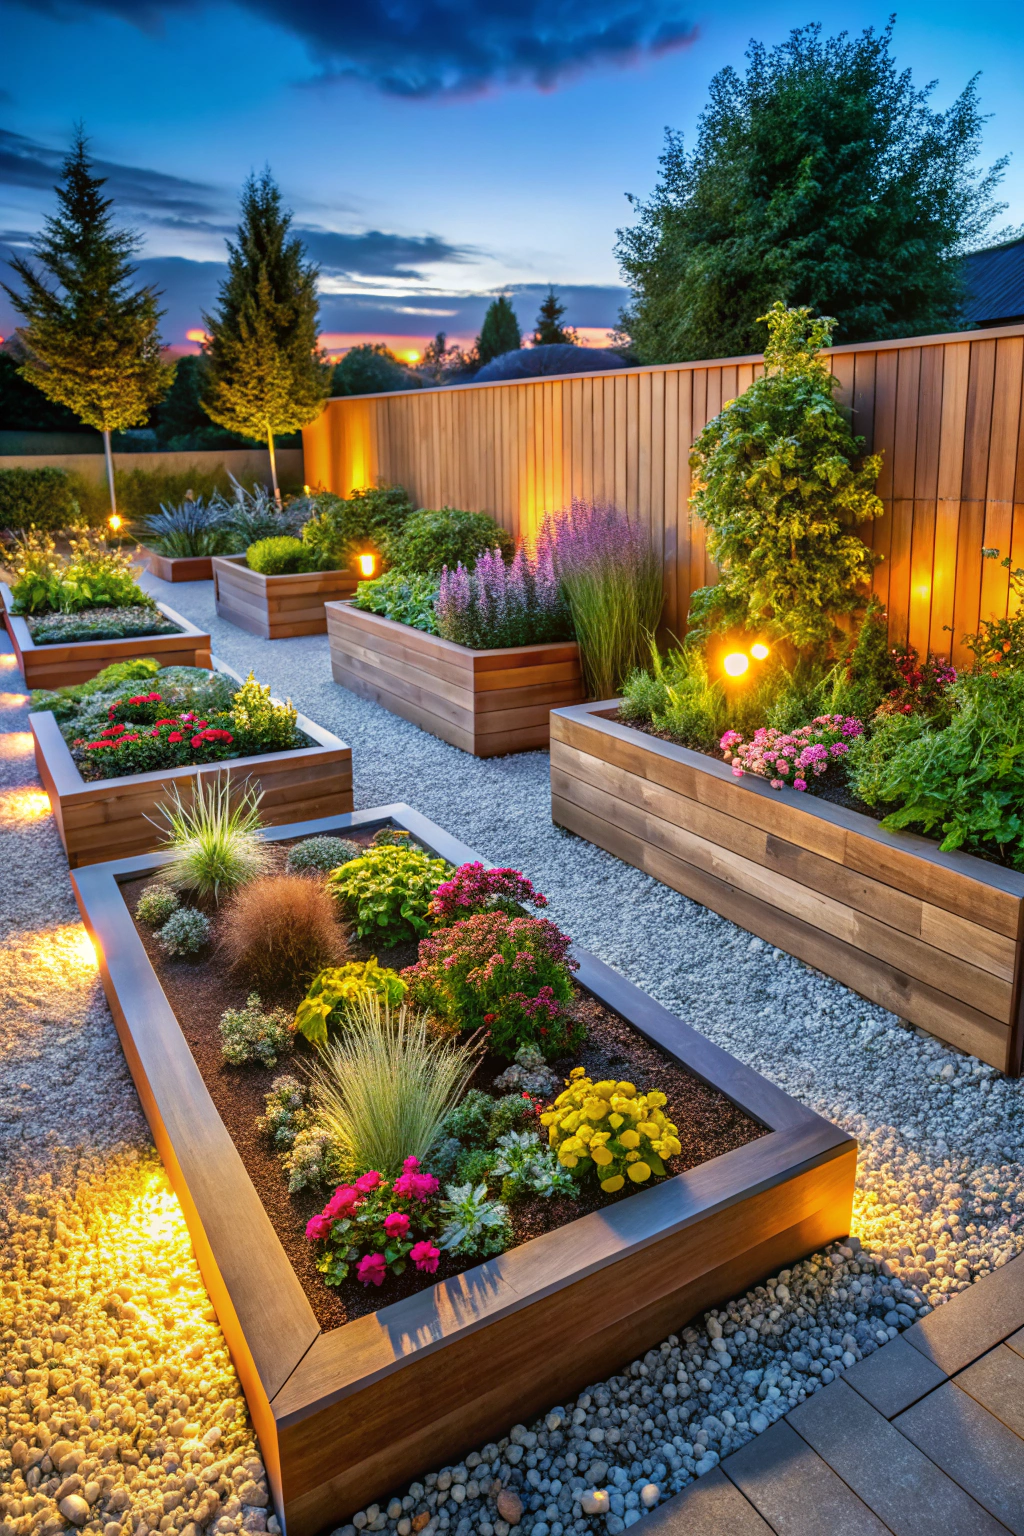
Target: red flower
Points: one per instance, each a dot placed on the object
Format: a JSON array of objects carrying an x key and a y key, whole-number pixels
[
  {"x": 342, "y": 1203},
  {"x": 367, "y": 1182},
  {"x": 489, "y": 1018},
  {"x": 318, "y": 1227},
  {"x": 167, "y": 722},
  {"x": 176, "y": 736}
]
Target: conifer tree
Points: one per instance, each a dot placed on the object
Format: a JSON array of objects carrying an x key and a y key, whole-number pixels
[
  {"x": 91, "y": 342},
  {"x": 266, "y": 374},
  {"x": 500, "y": 331},
  {"x": 550, "y": 330}
]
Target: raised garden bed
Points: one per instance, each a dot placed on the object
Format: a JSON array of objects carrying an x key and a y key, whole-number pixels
[
  {"x": 179, "y": 567},
  {"x": 56, "y": 666},
  {"x": 109, "y": 818},
  {"x": 348, "y": 1413},
  {"x": 486, "y": 702},
  {"x": 276, "y": 607},
  {"x": 934, "y": 937}
]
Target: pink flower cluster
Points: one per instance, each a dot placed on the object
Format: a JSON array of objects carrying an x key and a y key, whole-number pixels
[
  {"x": 473, "y": 888},
  {"x": 360, "y": 1212},
  {"x": 791, "y": 757}
]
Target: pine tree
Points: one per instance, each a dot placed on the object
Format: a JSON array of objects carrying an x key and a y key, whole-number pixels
[
  {"x": 266, "y": 374},
  {"x": 500, "y": 331},
  {"x": 91, "y": 342},
  {"x": 550, "y": 330}
]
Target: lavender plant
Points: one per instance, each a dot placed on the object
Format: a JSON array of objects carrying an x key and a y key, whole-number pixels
[
  {"x": 499, "y": 602},
  {"x": 610, "y": 575}
]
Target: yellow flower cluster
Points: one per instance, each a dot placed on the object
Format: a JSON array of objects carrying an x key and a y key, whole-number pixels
[{"x": 624, "y": 1134}]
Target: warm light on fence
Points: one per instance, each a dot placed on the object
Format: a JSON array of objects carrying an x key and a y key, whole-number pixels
[
  {"x": 759, "y": 651},
  {"x": 366, "y": 564},
  {"x": 735, "y": 664}
]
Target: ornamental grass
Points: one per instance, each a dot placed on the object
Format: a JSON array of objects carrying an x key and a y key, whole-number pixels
[
  {"x": 282, "y": 930},
  {"x": 213, "y": 838}
]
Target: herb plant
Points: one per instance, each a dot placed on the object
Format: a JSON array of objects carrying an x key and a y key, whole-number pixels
[
  {"x": 254, "y": 1033},
  {"x": 387, "y": 891},
  {"x": 503, "y": 603},
  {"x": 403, "y": 596},
  {"x": 474, "y": 1222},
  {"x": 430, "y": 540}
]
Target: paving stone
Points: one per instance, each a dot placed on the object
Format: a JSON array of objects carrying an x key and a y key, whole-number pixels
[
  {"x": 997, "y": 1382},
  {"x": 969, "y": 1443},
  {"x": 709, "y": 1507},
  {"x": 894, "y": 1377},
  {"x": 1016, "y": 1341},
  {"x": 796, "y": 1492},
  {"x": 906, "y": 1490},
  {"x": 980, "y": 1318}
]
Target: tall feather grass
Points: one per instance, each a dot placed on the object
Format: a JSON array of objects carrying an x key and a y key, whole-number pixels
[
  {"x": 611, "y": 576},
  {"x": 383, "y": 1086},
  {"x": 213, "y": 837}
]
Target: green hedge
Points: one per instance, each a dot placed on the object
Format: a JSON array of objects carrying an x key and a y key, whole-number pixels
[{"x": 44, "y": 497}]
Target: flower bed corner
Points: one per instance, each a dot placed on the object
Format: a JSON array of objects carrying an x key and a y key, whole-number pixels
[
  {"x": 934, "y": 937},
  {"x": 179, "y": 567},
  {"x": 110, "y": 818},
  {"x": 55, "y": 666},
  {"x": 486, "y": 702},
  {"x": 348, "y": 1415},
  {"x": 276, "y": 607}
]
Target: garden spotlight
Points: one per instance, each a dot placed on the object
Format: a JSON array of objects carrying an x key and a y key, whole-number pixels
[
  {"x": 759, "y": 651},
  {"x": 366, "y": 563},
  {"x": 113, "y": 522},
  {"x": 735, "y": 664}
]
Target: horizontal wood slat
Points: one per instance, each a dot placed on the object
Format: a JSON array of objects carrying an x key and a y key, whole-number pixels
[
  {"x": 485, "y": 702},
  {"x": 924, "y": 934},
  {"x": 276, "y": 607},
  {"x": 178, "y": 567},
  {"x": 944, "y": 410}
]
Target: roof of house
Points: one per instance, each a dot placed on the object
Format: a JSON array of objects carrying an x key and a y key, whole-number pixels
[{"x": 995, "y": 284}]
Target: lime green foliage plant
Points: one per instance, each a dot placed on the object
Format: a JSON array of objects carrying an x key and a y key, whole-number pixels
[
  {"x": 334, "y": 992},
  {"x": 430, "y": 540},
  {"x": 782, "y": 485},
  {"x": 281, "y": 555},
  {"x": 610, "y": 1129},
  {"x": 91, "y": 576},
  {"x": 386, "y": 892},
  {"x": 255, "y": 1033},
  {"x": 404, "y": 596},
  {"x": 965, "y": 780},
  {"x": 213, "y": 838},
  {"x": 37, "y": 498},
  {"x": 383, "y": 1087},
  {"x": 260, "y": 721}
]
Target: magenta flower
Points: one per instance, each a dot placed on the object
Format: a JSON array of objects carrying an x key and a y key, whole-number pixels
[
  {"x": 799, "y": 784},
  {"x": 397, "y": 1224},
  {"x": 318, "y": 1227},
  {"x": 342, "y": 1203},
  {"x": 372, "y": 1269},
  {"x": 425, "y": 1256},
  {"x": 368, "y": 1182}
]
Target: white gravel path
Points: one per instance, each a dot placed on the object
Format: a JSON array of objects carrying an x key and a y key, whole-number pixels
[{"x": 940, "y": 1185}]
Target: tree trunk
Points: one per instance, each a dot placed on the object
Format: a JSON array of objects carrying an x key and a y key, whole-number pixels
[
  {"x": 110, "y": 473},
  {"x": 273, "y": 464}
]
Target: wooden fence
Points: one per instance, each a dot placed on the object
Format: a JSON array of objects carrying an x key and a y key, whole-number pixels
[{"x": 944, "y": 410}]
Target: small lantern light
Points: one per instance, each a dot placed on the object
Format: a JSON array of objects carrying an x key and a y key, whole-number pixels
[
  {"x": 305, "y": 490},
  {"x": 113, "y": 522},
  {"x": 735, "y": 664},
  {"x": 759, "y": 651},
  {"x": 366, "y": 564}
]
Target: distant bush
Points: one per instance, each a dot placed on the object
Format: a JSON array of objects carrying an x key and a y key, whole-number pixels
[
  {"x": 448, "y": 537},
  {"x": 559, "y": 358},
  {"x": 280, "y": 556},
  {"x": 44, "y": 497}
]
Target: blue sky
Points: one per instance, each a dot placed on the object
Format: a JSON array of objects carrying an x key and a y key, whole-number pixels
[{"x": 436, "y": 151}]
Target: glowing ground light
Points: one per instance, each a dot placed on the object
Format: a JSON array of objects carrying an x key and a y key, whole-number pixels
[
  {"x": 20, "y": 805},
  {"x": 16, "y": 744},
  {"x": 366, "y": 564},
  {"x": 735, "y": 664},
  {"x": 8, "y": 660},
  {"x": 114, "y": 522},
  {"x": 13, "y": 700},
  {"x": 759, "y": 651}
]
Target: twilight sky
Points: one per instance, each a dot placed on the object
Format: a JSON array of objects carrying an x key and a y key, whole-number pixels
[{"x": 433, "y": 151}]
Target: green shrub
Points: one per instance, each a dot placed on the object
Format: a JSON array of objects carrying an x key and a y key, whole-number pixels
[
  {"x": 155, "y": 906},
  {"x": 254, "y": 1033},
  {"x": 470, "y": 1120},
  {"x": 404, "y": 596},
  {"x": 386, "y": 892},
  {"x": 319, "y": 855},
  {"x": 432, "y": 539},
  {"x": 66, "y": 701},
  {"x": 279, "y": 556},
  {"x": 781, "y": 486},
  {"x": 511, "y": 1113},
  {"x": 326, "y": 549},
  {"x": 473, "y": 1165},
  {"x": 90, "y": 576},
  {"x": 965, "y": 780},
  {"x": 185, "y": 932},
  {"x": 1000, "y": 642},
  {"x": 375, "y": 513},
  {"x": 43, "y": 498},
  {"x": 258, "y": 723}
]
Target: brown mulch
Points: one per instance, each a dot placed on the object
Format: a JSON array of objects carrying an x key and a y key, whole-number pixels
[{"x": 200, "y": 988}]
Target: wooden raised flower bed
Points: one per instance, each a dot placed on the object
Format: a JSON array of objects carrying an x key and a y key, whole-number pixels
[
  {"x": 276, "y": 607},
  {"x": 109, "y": 818},
  {"x": 486, "y": 702},
  {"x": 179, "y": 567},
  {"x": 352, "y": 1413},
  {"x": 934, "y": 937},
  {"x": 56, "y": 666}
]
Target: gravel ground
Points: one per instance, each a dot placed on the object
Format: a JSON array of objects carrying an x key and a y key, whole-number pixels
[{"x": 940, "y": 1189}]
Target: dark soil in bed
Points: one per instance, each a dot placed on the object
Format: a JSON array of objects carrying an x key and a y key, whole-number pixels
[{"x": 199, "y": 989}]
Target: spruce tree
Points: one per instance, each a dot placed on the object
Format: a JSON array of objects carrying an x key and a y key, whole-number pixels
[
  {"x": 500, "y": 331},
  {"x": 550, "y": 330},
  {"x": 91, "y": 342},
  {"x": 266, "y": 374}
]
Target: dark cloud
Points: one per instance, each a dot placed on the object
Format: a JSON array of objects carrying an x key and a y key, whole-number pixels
[
  {"x": 26, "y": 163},
  {"x": 423, "y": 48},
  {"x": 375, "y": 254}
]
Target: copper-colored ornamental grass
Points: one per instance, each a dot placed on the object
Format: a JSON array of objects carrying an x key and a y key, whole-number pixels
[{"x": 282, "y": 930}]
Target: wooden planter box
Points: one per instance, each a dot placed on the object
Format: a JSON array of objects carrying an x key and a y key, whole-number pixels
[
  {"x": 55, "y": 666},
  {"x": 108, "y": 818},
  {"x": 353, "y": 1414},
  {"x": 276, "y": 607},
  {"x": 486, "y": 702},
  {"x": 179, "y": 567},
  {"x": 934, "y": 937}
]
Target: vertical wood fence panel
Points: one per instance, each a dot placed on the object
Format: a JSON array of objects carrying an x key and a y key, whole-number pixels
[{"x": 946, "y": 413}]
